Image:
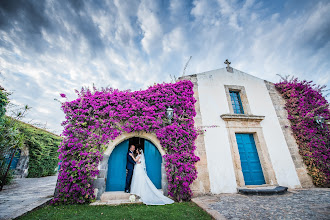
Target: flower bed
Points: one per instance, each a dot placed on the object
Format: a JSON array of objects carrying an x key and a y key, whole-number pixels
[
  {"x": 304, "y": 101},
  {"x": 97, "y": 117}
]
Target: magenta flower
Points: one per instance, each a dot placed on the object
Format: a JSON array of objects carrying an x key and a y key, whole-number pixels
[
  {"x": 95, "y": 118},
  {"x": 304, "y": 101}
]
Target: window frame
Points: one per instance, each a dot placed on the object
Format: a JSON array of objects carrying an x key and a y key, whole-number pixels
[{"x": 243, "y": 97}]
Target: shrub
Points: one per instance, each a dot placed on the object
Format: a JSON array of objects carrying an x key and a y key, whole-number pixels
[
  {"x": 304, "y": 102},
  {"x": 43, "y": 146}
]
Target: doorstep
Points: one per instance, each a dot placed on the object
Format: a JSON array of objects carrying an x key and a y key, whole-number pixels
[
  {"x": 115, "y": 202},
  {"x": 116, "y": 198},
  {"x": 263, "y": 190}
]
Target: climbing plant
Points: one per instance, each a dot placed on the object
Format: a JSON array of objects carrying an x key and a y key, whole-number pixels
[
  {"x": 304, "y": 102},
  {"x": 43, "y": 146},
  {"x": 99, "y": 116},
  {"x": 3, "y": 102},
  {"x": 10, "y": 137},
  {"x": 15, "y": 134}
]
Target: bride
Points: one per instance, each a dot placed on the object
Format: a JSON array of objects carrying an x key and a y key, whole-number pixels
[{"x": 142, "y": 185}]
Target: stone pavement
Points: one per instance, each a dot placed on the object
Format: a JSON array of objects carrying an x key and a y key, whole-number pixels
[
  {"x": 25, "y": 194},
  {"x": 296, "y": 204}
]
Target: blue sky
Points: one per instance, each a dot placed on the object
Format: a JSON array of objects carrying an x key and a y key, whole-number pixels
[{"x": 51, "y": 47}]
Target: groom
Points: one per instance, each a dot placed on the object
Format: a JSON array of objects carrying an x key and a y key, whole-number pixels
[{"x": 129, "y": 166}]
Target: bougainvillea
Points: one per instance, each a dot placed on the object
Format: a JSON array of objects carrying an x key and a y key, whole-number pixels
[
  {"x": 96, "y": 117},
  {"x": 304, "y": 102}
]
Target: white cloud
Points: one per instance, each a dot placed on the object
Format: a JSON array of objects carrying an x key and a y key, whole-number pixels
[
  {"x": 132, "y": 45},
  {"x": 152, "y": 31},
  {"x": 173, "y": 41}
]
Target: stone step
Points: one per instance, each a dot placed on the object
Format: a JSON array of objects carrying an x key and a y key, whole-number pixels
[
  {"x": 115, "y": 195},
  {"x": 116, "y": 202},
  {"x": 263, "y": 190}
]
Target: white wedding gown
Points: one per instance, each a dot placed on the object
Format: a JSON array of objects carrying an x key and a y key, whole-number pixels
[{"x": 142, "y": 186}]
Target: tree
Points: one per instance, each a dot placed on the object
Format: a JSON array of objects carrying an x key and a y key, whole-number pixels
[{"x": 10, "y": 137}]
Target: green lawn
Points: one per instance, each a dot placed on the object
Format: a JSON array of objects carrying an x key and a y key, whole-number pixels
[{"x": 185, "y": 210}]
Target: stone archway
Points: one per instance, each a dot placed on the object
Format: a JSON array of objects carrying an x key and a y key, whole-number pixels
[{"x": 100, "y": 182}]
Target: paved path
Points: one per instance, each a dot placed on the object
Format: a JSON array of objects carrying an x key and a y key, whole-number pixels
[
  {"x": 296, "y": 204},
  {"x": 25, "y": 194}
]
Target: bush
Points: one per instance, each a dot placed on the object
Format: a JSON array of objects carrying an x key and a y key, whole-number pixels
[
  {"x": 43, "y": 146},
  {"x": 10, "y": 137},
  {"x": 9, "y": 177},
  {"x": 304, "y": 102}
]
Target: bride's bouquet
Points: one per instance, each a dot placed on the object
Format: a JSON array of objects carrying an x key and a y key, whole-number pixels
[{"x": 132, "y": 198}]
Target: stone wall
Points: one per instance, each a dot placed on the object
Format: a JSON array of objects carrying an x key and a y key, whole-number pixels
[
  {"x": 22, "y": 166},
  {"x": 279, "y": 105},
  {"x": 202, "y": 184}
]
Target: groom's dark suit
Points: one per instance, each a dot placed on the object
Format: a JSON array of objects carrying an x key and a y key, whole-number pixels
[{"x": 129, "y": 166}]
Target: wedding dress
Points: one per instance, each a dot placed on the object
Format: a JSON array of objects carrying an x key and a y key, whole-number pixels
[{"x": 143, "y": 187}]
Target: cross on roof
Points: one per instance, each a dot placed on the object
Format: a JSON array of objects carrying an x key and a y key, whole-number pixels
[
  {"x": 229, "y": 68},
  {"x": 228, "y": 63}
]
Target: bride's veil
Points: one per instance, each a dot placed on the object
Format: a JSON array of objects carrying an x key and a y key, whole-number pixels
[{"x": 143, "y": 161}]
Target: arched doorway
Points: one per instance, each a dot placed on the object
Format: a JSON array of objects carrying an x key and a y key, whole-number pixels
[{"x": 116, "y": 174}]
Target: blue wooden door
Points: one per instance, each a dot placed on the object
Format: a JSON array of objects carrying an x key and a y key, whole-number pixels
[
  {"x": 117, "y": 168},
  {"x": 153, "y": 163},
  {"x": 250, "y": 162}
]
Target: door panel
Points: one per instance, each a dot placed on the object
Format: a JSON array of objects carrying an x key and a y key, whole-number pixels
[
  {"x": 250, "y": 162},
  {"x": 153, "y": 163},
  {"x": 117, "y": 168}
]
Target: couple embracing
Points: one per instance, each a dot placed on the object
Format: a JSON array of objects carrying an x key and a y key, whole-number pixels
[{"x": 138, "y": 182}]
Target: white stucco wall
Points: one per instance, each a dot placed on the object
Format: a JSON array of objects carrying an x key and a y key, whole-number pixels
[{"x": 213, "y": 103}]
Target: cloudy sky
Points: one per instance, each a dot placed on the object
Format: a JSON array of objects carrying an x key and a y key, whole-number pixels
[{"x": 51, "y": 47}]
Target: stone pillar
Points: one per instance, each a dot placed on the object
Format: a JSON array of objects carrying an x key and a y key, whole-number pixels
[
  {"x": 164, "y": 178},
  {"x": 202, "y": 184},
  {"x": 100, "y": 181}
]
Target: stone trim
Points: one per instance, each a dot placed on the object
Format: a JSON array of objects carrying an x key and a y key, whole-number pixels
[
  {"x": 149, "y": 136},
  {"x": 229, "y": 69},
  {"x": 250, "y": 127},
  {"x": 100, "y": 181},
  {"x": 201, "y": 185},
  {"x": 232, "y": 117},
  {"x": 205, "y": 206},
  {"x": 244, "y": 99},
  {"x": 282, "y": 115}
]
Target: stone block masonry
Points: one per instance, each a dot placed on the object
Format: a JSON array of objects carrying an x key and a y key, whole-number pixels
[{"x": 202, "y": 184}]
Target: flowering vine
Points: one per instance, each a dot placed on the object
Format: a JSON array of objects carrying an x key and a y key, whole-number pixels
[
  {"x": 96, "y": 117},
  {"x": 304, "y": 102}
]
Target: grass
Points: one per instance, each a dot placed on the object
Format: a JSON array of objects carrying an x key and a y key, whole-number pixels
[{"x": 184, "y": 210}]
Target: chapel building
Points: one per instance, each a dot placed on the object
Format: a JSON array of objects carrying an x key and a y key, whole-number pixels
[{"x": 248, "y": 141}]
